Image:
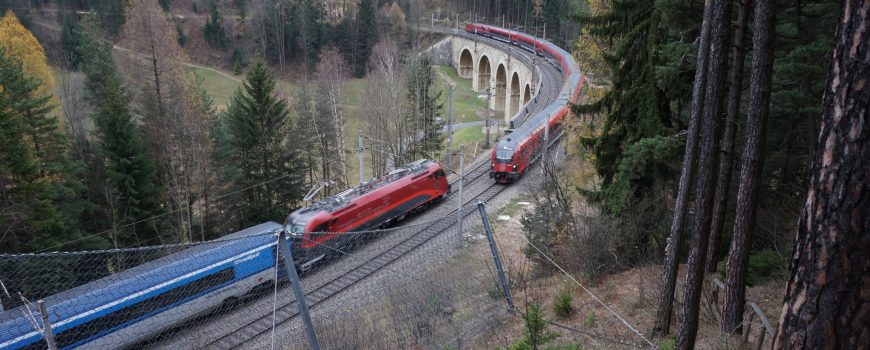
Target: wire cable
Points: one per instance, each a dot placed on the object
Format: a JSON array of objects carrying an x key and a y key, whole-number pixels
[
  {"x": 506, "y": 307},
  {"x": 589, "y": 292}
]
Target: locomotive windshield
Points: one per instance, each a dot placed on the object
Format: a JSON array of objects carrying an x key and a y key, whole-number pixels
[
  {"x": 297, "y": 226},
  {"x": 504, "y": 154}
]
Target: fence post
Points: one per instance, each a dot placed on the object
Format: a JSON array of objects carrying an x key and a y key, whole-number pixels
[
  {"x": 450, "y": 125},
  {"x": 498, "y": 266},
  {"x": 748, "y": 326},
  {"x": 48, "y": 333},
  {"x": 361, "y": 150},
  {"x": 546, "y": 145},
  {"x": 284, "y": 248},
  {"x": 461, "y": 180}
]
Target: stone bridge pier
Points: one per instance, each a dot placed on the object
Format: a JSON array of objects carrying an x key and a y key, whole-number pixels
[{"x": 491, "y": 69}]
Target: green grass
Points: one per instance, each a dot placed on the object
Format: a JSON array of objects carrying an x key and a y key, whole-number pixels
[
  {"x": 468, "y": 136},
  {"x": 467, "y": 106},
  {"x": 218, "y": 86}
]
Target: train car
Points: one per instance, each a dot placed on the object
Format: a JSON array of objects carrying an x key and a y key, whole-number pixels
[
  {"x": 373, "y": 204},
  {"x": 513, "y": 154},
  {"x": 131, "y": 306}
]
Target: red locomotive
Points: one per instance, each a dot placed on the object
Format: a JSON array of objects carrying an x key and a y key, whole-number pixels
[
  {"x": 371, "y": 205},
  {"x": 513, "y": 153}
]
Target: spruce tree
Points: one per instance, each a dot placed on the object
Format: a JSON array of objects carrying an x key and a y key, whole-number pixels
[
  {"x": 257, "y": 145},
  {"x": 40, "y": 204},
  {"x": 130, "y": 169},
  {"x": 213, "y": 29},
  {"x": 309, "y": 38},
  {"x": 637, "y": 107},
  {"x": 422, "y": 110},
  {"x": 367, "y": 37},
  {"x": 69, "y": 39}
]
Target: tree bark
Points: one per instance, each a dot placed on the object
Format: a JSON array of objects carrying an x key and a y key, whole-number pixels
[
  {"x": 751, "y": 164},
  {"x": 827, "y": 299},
  {"x": 672, "y": 252},
  {"x": 726, "y": 160},
  {"x": 707, "y": 164}
]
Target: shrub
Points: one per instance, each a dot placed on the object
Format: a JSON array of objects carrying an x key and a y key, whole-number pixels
[
  {"x": 562, "y": 305},
  {"x": 237, "y": 61},
  {"x": 668, "y": 343},
  {"x": 764, "y": 265},
  {"x": 590, "y": 319},
  {"x": 494, "y": 291}
]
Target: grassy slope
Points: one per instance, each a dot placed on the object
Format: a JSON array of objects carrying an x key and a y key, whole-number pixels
[{"x": 467, "y": 106}]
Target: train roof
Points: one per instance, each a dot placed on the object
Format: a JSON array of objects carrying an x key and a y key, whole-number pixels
[
  {"x": 340, "y": 200},
  {"x": 92, "y": 295},
  {"x": 535, "y": 121}
]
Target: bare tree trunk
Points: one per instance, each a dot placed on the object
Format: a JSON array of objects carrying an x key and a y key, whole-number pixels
[
  {"x": 723, "y": 184},
  {"x": 826, "y": 300},
  {"x": 669, "y": 270},
  {"x": 707, "y": 164},
  {"x": 751, "y": 164}
]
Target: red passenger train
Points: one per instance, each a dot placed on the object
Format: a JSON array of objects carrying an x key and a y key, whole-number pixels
[
  {"x": 513, "y": 154},
  {"x": 371, "y": 205}
]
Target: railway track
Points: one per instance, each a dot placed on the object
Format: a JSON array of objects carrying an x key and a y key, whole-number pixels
[
  {"x": 288, "y": 311},
  {"x": 234, "y": 335}
]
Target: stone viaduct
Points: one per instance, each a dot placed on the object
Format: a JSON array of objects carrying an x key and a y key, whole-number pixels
[{"x": 491, "y": 69}]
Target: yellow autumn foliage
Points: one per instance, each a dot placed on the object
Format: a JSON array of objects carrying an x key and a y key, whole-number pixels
[{"x": 16, "y": 41}]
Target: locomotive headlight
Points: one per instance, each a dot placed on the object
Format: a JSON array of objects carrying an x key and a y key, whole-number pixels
[{"x": 515, "y": 167}]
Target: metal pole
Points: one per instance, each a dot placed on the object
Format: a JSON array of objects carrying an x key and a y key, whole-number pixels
[
  {"x": 46, "y": 325},
  {"x": 284, "y": 247},
  {"x": 450, "y": 126},
  {"x": 489, "y": 236},
  {"x": 488, "y": 93},
  {"x": 546, "y": 145},
  {"x": 362, "y": 176},
  {"x": 461, "y": 183}
]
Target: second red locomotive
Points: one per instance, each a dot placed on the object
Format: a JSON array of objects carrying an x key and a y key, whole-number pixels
[
  {"x": 515, "y": 152},
  {"x": 371, "y": 205}
]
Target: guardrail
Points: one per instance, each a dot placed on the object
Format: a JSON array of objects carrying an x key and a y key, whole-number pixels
[{"x": 749, "y": 315}]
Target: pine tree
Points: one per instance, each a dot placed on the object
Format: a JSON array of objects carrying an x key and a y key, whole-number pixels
[
  {"x": 751, "y": 163},
  {"x": 707, "y": 166},
  {"x": 261, "y": 155},
  {"x": 130, "y": 169},
  {"x": 826, "y": 303}
]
